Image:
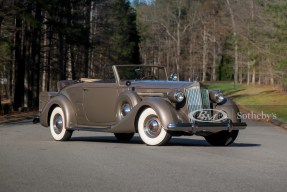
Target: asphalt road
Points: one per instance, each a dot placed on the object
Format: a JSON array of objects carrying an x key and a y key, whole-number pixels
[{"x": 31, "y": 161}]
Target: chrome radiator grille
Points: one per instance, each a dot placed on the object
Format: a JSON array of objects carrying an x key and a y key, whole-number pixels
[{"x": 197, "y": 99}]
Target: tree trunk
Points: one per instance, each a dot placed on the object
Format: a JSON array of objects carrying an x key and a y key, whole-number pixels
[
  {"x": 241, "y": 70},
  {"x": 50, "y": 36},
  {"x": 178, "y": 51},
  {"x": 19, "y": 66},
  {"x": 26, "y": 62},
  {"x": 1, "y": 19},
  {"x": 204, "y": 54},
  {"x": 214, "y": 76},
  {"x": 271, "y": 76},
  {"x": 62, "y": 62},
  {"x": 69, "y": 63},
  {"x": 45, "y": 58},
  {"x": 259, "y": 78},
  {"x": 36, "y": 59},
  {"x": 248, "y": 72},
  {"x": 88, "y": 38},
  {"x": 253, "y": 75},
  {"x": 235, "y": 42}
]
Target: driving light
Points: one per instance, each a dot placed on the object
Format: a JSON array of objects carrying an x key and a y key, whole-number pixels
[
  {"x": 216, "y": 96},
  {"x": 179, "y": 96}
]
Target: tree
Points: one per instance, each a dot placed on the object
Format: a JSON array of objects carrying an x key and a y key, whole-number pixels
[
  {"x": 42, "y": 42},
  {"x": 279, "y": 47}
]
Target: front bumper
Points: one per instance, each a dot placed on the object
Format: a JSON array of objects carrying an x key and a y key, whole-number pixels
[{"x": 206, "y": 126}]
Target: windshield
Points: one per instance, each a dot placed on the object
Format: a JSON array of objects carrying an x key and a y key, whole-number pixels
[{"x": 141, "y": 73}]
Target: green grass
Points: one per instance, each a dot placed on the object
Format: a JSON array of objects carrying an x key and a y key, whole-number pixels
[
  {"x": 227, "y": 88},
  {"x": 270, "y": 102},
  {"x": 261, "y": 99}
]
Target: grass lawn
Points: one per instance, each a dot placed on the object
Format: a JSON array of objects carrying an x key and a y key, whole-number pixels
[
  {"x": 261, "y": 99},
  {"x": 226, "y": 87}
]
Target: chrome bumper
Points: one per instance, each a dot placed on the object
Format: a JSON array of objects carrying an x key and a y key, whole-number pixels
[{"x": 206, "y": 126}]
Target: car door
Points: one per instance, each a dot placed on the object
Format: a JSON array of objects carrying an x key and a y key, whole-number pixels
[{"x": 99, "y": 103}]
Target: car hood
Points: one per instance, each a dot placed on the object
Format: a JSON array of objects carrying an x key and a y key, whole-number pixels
[{"x": 152, "y": 84}]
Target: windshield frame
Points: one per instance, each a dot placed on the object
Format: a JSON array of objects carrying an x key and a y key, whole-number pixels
[{"x": 119, "y": 79}]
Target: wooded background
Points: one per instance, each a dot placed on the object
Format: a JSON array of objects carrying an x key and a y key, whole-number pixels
[{"x": 43, "y": 41}]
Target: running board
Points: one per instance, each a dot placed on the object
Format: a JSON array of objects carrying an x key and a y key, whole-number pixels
[{"x": 94, "y": 129}]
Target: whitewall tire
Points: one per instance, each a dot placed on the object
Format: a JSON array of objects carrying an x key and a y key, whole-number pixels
[
  {"x": 150, "y": 128},
  {"x": 58, "y": 126}
]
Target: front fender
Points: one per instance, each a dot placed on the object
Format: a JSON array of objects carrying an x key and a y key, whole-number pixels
[
  {"x": 231, "y": 109},
  {"x": 163, "y": 108},
  {"x": 65, "y": 104},
  {"x": 166, "y": 112}
]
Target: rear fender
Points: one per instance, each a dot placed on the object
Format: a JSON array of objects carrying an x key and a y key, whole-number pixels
[
  {"x": 129, "y": 97},
  {"x": 65, "y": 104}
]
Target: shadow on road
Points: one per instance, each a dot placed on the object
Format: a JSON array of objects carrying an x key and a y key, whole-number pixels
[
  {"x": 203, "y": 143},
  {"x": 23, "y": 121},
  {"x": 172, "y": 142},
  {"x": 105, "y": 139}
]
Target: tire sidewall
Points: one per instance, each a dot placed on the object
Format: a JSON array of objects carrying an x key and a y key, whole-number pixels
[
  {"x": 160, "y": 139},
  {"x": 60, "y": 136}
]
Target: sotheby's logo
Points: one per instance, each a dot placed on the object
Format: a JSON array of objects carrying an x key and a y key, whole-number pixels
[{"x": 208, "y": 115}]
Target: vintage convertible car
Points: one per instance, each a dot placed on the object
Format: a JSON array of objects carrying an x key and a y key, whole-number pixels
[{"x": 140, "y": 99}]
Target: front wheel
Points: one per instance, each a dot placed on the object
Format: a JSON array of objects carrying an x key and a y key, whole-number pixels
[
  {"x": 150, "y": 128},
  {"x": 58, "y": 126},
  {"x": 222, "y": 138}
]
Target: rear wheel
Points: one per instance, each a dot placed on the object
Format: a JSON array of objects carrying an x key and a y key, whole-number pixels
[
  {"x": 150, "y": 128},
  {"x": 124, "y": 137},
  {"x": 58, "y": 126},
  {"x": 222, "y": 138}
]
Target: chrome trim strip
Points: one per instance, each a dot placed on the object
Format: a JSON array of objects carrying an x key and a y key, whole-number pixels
[
  {"x": 211, "y": 127},
  {"x": 152, "y": 94}
]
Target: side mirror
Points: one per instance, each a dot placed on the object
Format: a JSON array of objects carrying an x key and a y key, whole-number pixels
[{"x": 173, "y": 77}]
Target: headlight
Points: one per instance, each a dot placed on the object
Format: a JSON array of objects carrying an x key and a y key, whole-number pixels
[
  {"x": 176, "y": 96},
  {"x": 216, "y": 96}
]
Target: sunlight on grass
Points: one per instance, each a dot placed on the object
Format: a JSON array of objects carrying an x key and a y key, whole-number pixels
[
  {"x": 226, "y": 87},
  {"x": 266, "y": 99},
  {"x": 268, "y": 102}
]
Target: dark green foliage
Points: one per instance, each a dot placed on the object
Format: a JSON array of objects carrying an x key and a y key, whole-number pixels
[
  {"x": 119, "y": 37},
  {"x": 225, "y": 70},
  {"x": 44, "y": 41}
]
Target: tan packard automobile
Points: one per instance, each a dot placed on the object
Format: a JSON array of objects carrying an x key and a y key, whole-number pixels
[{"x": 140, "y": 99}]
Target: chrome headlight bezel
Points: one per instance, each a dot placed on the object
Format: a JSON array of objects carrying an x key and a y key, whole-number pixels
[{"x": 176, "y": 96}]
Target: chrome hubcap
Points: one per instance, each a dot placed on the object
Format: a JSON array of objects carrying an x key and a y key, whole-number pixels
[
  {"x": 152, "y": 127},
  {"x": 58, "y": 123}
]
